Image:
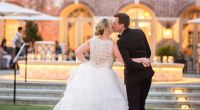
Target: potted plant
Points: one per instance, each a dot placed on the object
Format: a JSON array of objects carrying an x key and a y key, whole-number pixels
[{"x": 166, "y": 47}]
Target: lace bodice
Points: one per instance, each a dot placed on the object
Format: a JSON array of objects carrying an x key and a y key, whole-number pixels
[{"x": 101, "y": 52}]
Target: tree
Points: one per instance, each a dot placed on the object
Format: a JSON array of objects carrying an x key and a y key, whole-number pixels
[{"x": 31, "y": 32}]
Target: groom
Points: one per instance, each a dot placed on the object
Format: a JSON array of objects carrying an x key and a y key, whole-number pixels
[{"x": 132, "y": 43}]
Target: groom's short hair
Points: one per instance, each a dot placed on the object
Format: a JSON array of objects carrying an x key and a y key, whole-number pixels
[{"x": 123, "y": 19}]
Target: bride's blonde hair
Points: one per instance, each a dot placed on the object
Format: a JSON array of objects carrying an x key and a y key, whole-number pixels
[{"x": 101, "y": 26}]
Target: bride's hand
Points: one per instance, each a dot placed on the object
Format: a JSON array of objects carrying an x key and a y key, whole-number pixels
[
  {"x": 145, "y": 61},
  {"x": 139, "y": 60}
]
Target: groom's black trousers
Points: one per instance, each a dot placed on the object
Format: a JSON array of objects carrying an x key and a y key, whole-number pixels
[{"x": 137, "y": 91}]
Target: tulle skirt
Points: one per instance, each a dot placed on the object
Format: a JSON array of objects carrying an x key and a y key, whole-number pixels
[{"x": 93, "y": 88}]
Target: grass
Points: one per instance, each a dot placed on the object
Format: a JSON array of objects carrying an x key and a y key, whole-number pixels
[
  {"x": 23, "y": 107},
  {"x": 26, "y": 107}
]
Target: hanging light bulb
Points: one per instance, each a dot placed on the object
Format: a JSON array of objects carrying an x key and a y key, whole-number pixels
[{"x": 168, "y": 32}]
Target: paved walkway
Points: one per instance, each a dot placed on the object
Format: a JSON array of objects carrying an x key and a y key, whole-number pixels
[
  {"x": 6, "y": 72},
  {"x": 8, "y": 75}
]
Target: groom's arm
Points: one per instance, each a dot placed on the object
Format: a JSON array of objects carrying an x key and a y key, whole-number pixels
[
  {"x": 127, "y": 60},
  {"x": 148, "y": 50}
]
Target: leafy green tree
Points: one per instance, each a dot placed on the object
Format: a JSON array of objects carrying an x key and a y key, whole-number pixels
[{"x": 31, "y": 32}]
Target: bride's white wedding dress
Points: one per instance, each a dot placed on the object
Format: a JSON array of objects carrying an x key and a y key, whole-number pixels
[{"x": 94, "y": 85}]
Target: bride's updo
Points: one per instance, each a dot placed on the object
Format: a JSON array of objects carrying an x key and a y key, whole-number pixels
[{"x": 101, "y": 26}]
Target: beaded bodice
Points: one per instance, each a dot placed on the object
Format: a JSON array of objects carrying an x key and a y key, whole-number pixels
[{"x": 101, "y": 52}]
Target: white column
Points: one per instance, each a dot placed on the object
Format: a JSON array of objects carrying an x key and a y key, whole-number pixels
[
  {"x": 180, "y": 34},
  {"x": 153, "y": 39},
  {"x": 78, "y": 32},
  {"x": 195, "y": 42},
  {"x": 1, "y": 30},
  {"x": 65, "y": 36}
]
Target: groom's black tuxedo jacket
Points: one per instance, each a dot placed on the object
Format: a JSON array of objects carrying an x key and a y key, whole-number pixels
[{"x": 132, "y": 43}]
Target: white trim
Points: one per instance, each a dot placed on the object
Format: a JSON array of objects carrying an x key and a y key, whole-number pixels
[
  {"x": 167, "y": 18},
  {"x": 99, "y": 17}
]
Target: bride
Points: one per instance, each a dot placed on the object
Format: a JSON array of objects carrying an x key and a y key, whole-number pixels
[{"x": 94, "y": 85}]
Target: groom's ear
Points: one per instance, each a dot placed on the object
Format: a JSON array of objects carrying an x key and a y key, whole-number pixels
[{"x": 122, "y": 25}]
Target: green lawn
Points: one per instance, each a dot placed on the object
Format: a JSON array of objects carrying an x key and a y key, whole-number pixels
[{"x": 24, "y": 107}]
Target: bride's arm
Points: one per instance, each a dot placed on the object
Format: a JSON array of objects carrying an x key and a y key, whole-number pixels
[
  {"x": 145, "y": 61},
  {"x": 81, "y": 50},
  {"x": 117, "y": 53},
  {"x": 139, "y": 60}
]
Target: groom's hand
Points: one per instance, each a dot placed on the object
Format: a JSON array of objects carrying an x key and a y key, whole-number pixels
[{"x": 146, "y": 62}]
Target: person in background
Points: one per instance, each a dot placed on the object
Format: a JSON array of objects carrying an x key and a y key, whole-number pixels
[
  {"x": 4, "y": 54},
  {"x": 3, "y": 44},
  {"x": 31, "y": 48},
  {"x": 70, "y": 55},
  {"x": 17, "y": 41},
  {"x": 57, "y": 49}
]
